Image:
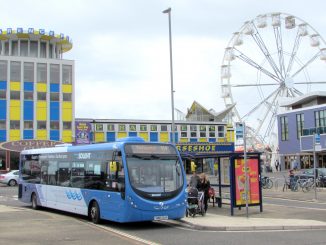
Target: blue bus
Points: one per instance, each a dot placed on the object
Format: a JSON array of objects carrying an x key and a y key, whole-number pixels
[{"x": 125, "y": 181}]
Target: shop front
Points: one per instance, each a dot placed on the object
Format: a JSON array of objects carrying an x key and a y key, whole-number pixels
[{"x": 202, "y": 157}]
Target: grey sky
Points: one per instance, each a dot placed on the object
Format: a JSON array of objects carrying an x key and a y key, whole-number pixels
[{"x": 121, "y": 48}]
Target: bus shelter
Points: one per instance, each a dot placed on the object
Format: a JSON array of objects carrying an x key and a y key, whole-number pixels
[{"x": 230, "y": 178}]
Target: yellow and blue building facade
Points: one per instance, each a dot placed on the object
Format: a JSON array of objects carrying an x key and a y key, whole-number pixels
[
  {"x": 36, "y": 86},
  {"x": 201, "y": 141}
]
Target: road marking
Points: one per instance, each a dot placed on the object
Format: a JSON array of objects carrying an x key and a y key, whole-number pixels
[
  {"x": 293, "y": 200},
  {"x": 281, "y": 205},
  {"x": 122, "y": 234}
]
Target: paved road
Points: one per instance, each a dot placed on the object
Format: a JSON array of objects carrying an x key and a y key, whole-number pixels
[{"x": 53, "y": 227}]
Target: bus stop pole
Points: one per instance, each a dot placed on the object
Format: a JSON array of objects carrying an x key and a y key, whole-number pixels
[
  {"x": 315, "y": 172},
  {"x": 246, "y": 167}
]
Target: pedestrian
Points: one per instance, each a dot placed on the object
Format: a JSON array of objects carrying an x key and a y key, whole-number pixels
[
  {"x": 292, "y": 179},
  {"x": 277, "y": 164},
  {"x": 194, "y": 180},
  {"x": 204, "y": 185},
  {"x": 193, "y": 166}
]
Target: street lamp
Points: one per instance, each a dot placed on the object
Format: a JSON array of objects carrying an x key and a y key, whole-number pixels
[{"x": 168, "y": 11}]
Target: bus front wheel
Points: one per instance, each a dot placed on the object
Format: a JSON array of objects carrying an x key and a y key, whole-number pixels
[
  {"x": 95, "y": 213},
  {"x": 34, "y": 202}
]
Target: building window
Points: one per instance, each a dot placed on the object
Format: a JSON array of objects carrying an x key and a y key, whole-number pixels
[
  {"x": 99, "y": 127},
  {"x": 284, "y": 129},
  {"x": 2, "y": 124},
  {"x": 15, "y": 71},
  {"x": 67, "y": 97},
  {"x": 320, "y": 118},
  {"x": 51, "y": 51},
  {"x": 41, "y": 125},
  {"x": 211, "y": 130},
  {"x": 122, "y": 127},
  {"x": 110, "y": 127},
  {"x": 28, "y": 124},
  {"x": 67, "y": 126},
  {"x": 23, "y": 48},
  {"x": 221, "y": 131},
  {"x": 193, "y": 134},
  {"x": 184, "y": 134},
  {"x": 43, "y": 50},
  {"x": 54, "y": 125},
  {"x": 3, "y": 70},
  {"x": 54, "y": 96},
  {"x": 41, "y": 95},
  {"x": 28, "y": 95},
  {"x": 6, "y": 48},
  {"x": 193, "y": 128},
  {"x": 143, "y": 128},
  {"x": 15, "y": 95},
  {"x": 184, "y": 128},
  {"x": 41, "y": 73},
  {"x": 153, "y": 128},
  {"x": 132, "y": 127},
  {"x": 14, "y": 48},
  {"x": 67, "y": 74},
  {"x": 54, "y": 74},
  {"x": 14, "y": 124},
  {"x": 202, "y": 129},
  {"x": 3, "y": 95},
  {"x": 33, "y": 48},
  {"x": 300, "y": 124},
  {"x": 28, "y": 72},
  {"x": 164, "y": 128}
]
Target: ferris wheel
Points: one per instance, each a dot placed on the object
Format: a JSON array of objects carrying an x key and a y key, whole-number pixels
[{"x": 271, "y": 58}]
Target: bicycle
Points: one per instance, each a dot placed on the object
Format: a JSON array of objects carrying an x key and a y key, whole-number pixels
[
  {"x": 311, "y": 184},
  {"x": 266, "y": 182}
]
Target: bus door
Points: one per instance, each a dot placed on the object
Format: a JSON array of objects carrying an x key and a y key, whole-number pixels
[{"x": 116, "y": 184}]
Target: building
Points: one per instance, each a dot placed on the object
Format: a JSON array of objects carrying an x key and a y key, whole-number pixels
[
  {"x": 302, "y": 130},
  {"x": 36, "y": 91},
  {"x": 200, "y": 137}
]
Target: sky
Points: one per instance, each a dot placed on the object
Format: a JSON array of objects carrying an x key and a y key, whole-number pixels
[{"x": 121, "y": 48}]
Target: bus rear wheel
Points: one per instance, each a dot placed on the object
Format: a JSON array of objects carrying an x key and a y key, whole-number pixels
[
  {"x": 95, "y": 213},
  {"x": 34, "y": 202}
]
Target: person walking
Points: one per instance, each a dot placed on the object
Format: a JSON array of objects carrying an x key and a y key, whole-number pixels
[
  {"x": 204, "y": 185},
  {"x": 277, "y": 165}
]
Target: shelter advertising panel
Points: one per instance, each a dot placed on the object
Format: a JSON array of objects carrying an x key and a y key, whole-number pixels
[{"x": 253, "y": 182}]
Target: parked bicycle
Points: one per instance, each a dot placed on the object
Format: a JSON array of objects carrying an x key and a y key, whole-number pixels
[
  {"x": 311, "y": 184},
  {"x": 266, "y": 182}
]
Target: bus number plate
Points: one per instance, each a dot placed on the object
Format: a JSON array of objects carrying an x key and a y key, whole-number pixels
[{"x": 161, "y": 217}]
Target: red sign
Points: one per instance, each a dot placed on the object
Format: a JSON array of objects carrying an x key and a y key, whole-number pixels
[
  {"x": 21, "y": 145},
  {"x": 253, "y": 181}
]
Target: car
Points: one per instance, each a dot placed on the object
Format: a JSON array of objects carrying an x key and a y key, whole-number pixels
[{"x": 10, "y": 178}]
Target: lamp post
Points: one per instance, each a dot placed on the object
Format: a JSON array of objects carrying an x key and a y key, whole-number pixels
[{"x": 168, "y": 11}]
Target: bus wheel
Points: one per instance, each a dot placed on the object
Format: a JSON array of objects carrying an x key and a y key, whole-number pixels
[
  {"x": 34, "y": 202},
  {"x": 95, "y": 213}
]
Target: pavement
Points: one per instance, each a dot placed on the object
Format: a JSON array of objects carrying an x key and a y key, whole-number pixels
[{"x": 273, "y": 217}]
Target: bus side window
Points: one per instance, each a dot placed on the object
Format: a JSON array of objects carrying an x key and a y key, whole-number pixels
[{"x": 44, "y": 172}]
